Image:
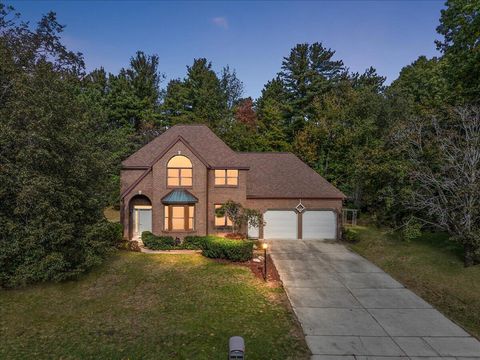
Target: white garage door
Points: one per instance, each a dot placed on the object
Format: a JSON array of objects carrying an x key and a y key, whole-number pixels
[
  {"x": 280, "y": 224},
  {"x": 319, "y": 225}
]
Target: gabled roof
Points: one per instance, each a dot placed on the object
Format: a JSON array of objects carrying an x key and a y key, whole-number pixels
[
  {"x": 283, "y": 175},
  {"x": 179, "y": 196},
  {"x": 270, "y": 175},
  {"x": 208, "y": 146}
]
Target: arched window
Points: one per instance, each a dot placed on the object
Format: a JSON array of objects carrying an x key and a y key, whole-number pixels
[{"x": 179, "y": 171}]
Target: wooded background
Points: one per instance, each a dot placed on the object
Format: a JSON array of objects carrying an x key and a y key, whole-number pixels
[{"x": 64, "y": 133}]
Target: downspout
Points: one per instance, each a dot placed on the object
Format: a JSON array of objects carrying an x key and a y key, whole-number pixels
[{"x": 206, "y": 205}]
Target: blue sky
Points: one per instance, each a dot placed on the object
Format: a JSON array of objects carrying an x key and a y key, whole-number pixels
[{"x": 251, "y": 37}]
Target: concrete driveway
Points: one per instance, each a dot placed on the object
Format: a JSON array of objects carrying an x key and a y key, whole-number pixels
[{"x": 351, "y": 309}]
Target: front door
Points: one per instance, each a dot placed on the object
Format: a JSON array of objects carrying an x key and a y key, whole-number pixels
[{"x": 142, "y": 220}]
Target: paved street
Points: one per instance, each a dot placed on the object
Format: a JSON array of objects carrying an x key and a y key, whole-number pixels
[{"x": 351, "y": 309}]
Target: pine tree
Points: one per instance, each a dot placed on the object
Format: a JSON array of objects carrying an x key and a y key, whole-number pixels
[
  {"x": 199, "y": 98},
  {"x": 307, "y": 72}
]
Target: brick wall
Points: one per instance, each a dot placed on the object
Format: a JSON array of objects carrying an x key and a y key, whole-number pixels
[{"x": 154, "y": 186}]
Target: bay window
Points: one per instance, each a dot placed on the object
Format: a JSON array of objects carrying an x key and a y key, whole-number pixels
[{"x": 179, "y": 217}]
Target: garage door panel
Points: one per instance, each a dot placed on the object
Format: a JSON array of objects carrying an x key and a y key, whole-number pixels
[
  {"x": 321, "y": 224},
  {"x": 280, "y": 224}
]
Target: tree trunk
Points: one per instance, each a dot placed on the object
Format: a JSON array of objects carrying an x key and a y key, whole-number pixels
[{"x": 471, "y": 255}]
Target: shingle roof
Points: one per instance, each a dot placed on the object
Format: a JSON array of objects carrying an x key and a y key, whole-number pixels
[
  {"x": 283, "y": 175},
  {"x": 270, "y": 175},
  {"x": 179, "y": 196},
  {"x": 208, "y": 145}
]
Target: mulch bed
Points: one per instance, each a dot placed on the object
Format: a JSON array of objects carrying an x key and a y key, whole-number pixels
[{"x": 257, "y": 268}]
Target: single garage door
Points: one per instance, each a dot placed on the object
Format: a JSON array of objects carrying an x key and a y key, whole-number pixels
[
  {"x": 319, "y": 225},
  {"x": 280, "y": 224}
]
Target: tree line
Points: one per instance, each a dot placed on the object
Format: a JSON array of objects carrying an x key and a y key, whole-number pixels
[{"x": 399, "y": 151}]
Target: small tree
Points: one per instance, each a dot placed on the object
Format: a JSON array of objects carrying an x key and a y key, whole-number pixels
[
  {"x": 253, "y": 217},
  {"x": 445, "y": 160},
  {"x": 239, "y": 215},
  {"x": 233, "y": 211}
]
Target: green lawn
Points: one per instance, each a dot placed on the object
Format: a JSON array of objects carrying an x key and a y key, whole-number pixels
[
  {"x": 144, "y": 306},
  {"x": 430, "y": 266}
]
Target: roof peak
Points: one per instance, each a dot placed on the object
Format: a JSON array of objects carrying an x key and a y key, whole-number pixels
[{"x": 178, "y": 125}]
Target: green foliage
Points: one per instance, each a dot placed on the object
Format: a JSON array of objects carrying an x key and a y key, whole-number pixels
[
  {"x": 64, "y": 133},
  {"x": 412, "y": 230},
  {"x": 421, "y": 86},
  {"x": 231, "y": 86},
  {"x": 211, "y": 246},
  {"x": 105, "y": 233},
  {"x": 199, "y": 98},
  {"x": 253, "y": 217},
  {"x": 52, "y": 173},
  {"x": 350, "y": 235},
  {"x": 234, "y": 250},
  {"x": 233, "y": 211},
  {"x": 460, "y": 27},
  {"x": 239, "y": 215},
  {"x": 194, "y": 242},
  {"x": 155, "y": 242},
  {"x": 307, "y": 73}
]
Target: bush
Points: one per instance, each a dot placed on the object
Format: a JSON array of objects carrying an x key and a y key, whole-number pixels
[
  {"x": 35, "y": 255},
  {"x": 236, "y": 236},
  {"x": 234, "y": 250},
  {"x": 108, "y": 232},
  {"x": 350, "y": 235},
  {"x": 412, "y": 230},
  {"x": 194, "y": 242},
  {"x": 155, "y": 242},
  {"x": 129, "y": 245},
  {"x": 211, "y": 246}
]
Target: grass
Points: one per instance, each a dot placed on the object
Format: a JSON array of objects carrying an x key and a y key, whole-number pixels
[
  {"x": 144, "y": 306},
  {"x": 432, "y": 267}
]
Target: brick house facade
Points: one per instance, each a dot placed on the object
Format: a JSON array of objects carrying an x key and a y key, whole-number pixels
[{"x": 173, "y": 184}]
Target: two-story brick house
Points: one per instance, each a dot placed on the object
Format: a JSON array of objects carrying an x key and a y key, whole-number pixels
[{"x": 173, "y": 184}]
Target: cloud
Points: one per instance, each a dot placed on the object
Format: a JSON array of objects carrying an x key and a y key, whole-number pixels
[{"x": 220, "y": 21}]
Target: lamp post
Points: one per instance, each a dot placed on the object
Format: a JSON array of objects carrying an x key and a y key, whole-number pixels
[{"x": 265, "y": 246}]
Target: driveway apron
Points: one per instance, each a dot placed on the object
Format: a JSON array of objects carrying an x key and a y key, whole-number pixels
[{"x": 351, "y": 309}]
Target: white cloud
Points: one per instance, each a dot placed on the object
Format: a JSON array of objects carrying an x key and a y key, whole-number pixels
[{"x": 220, "y": 21}]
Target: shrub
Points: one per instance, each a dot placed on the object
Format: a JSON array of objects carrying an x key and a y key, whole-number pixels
[
  {"x": 129, "y": 245},
  {"x": 194, "y": 242},
  {"x": 108, "y": 232},
  {"x": 350, "y": 235},
  {"x": 134, "y": 246},
  {"x": 236, "y": 236},
  {"x": 101, "y": 238},
  {"x": 412, "y": 230},
  {"x": 155, "y": 242},
  {"x": 234, "y": 250}
]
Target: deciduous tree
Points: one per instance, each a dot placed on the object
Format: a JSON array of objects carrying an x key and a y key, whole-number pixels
[{"x": 445, "y": 172}]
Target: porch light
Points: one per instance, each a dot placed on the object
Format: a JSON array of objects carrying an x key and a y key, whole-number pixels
[{"x": 264, "y": 246}]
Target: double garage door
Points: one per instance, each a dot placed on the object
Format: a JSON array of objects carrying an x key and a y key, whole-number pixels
[{"x": 284, "y": 224}]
